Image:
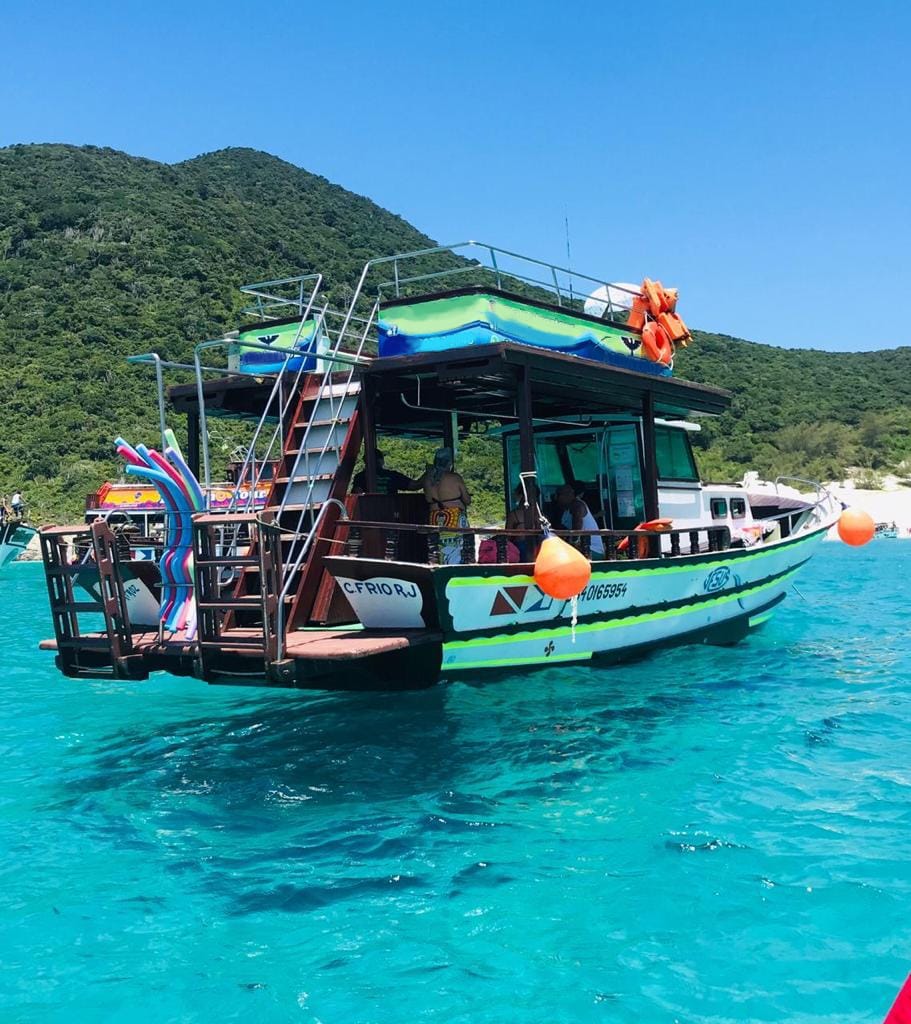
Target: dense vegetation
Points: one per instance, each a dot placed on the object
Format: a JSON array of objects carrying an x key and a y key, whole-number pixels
[{"x": 103, "y": 255}]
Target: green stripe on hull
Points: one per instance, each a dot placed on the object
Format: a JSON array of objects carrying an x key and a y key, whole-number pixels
[
  {"x": 759, "y": 619},
  {"x": 518, "y": 662},
  {"x": 597, "y": 627},
  {"x": 599, "y": 576}
]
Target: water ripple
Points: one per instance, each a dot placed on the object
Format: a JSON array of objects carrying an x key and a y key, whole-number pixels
[{"x": 705, "y": 836}]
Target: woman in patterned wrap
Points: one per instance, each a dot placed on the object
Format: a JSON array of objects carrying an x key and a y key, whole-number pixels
[{"x": 448, "y": 499}]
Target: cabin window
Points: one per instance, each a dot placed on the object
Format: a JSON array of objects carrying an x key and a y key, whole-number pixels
[
  {"x": 576, "y": 458},
  {"x": 719, "y": 507},
  {"x": 738, "y": 508},
  {"x": 674, "y": 455},
  {"x": 622, "y": 447},
  {"x": 583, "y": 459},
  {"x": 551, "y": 474}
]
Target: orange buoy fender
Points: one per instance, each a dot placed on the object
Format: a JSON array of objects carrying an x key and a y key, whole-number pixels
[
  {"x": 656, "y": 344},
  {"x": 855, "y": 527},
  {"x": 636, "y": 318},
  {"x": 560, "y": 570}
]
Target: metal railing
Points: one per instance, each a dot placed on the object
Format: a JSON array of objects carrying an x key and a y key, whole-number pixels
[
  {"x": 619, "y": 545},
  {"x": 284, "y": 354},
  {"x": 290, "y": 576},
  {"x": 268, "y": 296},
  {"x": 329, "y": 389},
  {"x": 283, "y": 395},
  {"x": 154, "y": 359},
  {"x": 504, "y": 268}
]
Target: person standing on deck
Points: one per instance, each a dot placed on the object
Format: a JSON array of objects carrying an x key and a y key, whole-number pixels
[
  {"x": 388, "y": 481},
  {"x": 448, "y": 499},
  {"x": 576, "y": 515},
  {"x": 17, "y": 505}
]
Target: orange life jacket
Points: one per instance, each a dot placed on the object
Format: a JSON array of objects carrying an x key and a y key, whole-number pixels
[
  {"x": 642, "y": 544},
  {"x": 636, "y": 318},
  {"x": 675, "y": 327}
]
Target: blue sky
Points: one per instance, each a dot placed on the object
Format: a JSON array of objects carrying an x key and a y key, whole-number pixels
[{"x": 754, "y": 154}]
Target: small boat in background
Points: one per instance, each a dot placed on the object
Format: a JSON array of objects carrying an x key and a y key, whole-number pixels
[
  {"x": 15, "y": 536},
  {"x": 886, "y": 531}
]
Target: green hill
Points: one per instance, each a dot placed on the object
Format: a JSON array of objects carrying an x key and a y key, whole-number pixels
[{"x": 104, "y": 255}]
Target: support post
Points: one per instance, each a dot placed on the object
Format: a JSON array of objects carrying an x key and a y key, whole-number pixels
[
  {"x": 193, "y": 442},
  {"x": 451, "y": 434},
  {"x": 650, "y": 460},
  {"x": 526, "y": 433},
  {"x": 368, "y": 394}
]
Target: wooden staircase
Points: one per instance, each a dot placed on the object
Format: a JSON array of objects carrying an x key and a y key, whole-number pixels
[{"x": 262, "y": 551}]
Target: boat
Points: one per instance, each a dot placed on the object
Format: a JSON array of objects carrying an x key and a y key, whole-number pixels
[
  {"x": 886, "y": 531},
  {"x": 136, "y": 515},
  {"x": 15, "y": 537},
  {"x": 136, "y": 511},
  {"x": 329, "y": 587}
]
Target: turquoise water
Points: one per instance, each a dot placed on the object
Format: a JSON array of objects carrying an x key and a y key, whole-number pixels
[{"x": 705, "y": 835}]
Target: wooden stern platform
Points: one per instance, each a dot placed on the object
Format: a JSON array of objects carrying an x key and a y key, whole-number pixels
[{"x": 337, "y": 659}]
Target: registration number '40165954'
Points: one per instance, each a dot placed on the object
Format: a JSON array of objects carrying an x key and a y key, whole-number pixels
[{"x": 603, "y": 592}]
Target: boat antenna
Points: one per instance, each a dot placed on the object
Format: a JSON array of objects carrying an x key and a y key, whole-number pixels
[{"x": 569, "y": 258}]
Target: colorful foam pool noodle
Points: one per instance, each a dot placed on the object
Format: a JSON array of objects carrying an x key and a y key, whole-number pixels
[
  {"x": 173, "y": 452},
  {"x": 198, "y": 502},
  {"x": 170, "y": 595},
  {"x": 178, "y": 535},
  {"x": 136, "y": 467},
  {"x": 182, "y": 496}
]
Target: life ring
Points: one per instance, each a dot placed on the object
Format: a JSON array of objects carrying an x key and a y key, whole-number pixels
[
  {"x": 656, "y": 344},
  {"x": 652, "y": 526}
]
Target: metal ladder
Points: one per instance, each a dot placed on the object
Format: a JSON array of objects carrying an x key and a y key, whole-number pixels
[
  {"x": 108, "y": 654},
  {"x": 323, "y": 447}
]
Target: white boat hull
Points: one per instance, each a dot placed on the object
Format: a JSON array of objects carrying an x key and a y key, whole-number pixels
[{"x": 14, "y": 540}]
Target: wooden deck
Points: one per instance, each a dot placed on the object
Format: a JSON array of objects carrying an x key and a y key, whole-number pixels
[
  {"x": 306, "y": 645},
  {"x": 348, "y": 645}
]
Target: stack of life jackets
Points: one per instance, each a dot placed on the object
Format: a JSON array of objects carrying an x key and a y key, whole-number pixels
[{"x": 654, "y": 314}]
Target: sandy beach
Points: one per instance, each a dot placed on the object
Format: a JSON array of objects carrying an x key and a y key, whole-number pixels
[{"x": 892, "y": 504}]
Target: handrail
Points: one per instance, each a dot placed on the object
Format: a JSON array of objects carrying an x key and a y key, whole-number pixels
[
  {"x": 423, "y": 528},
  {"x": 284, "y": 354},
  {"x": 290, "y": 576},
  {"x": 815, "y": 484},
  {"x": 155, "y": 358},
  {"x": 618, "y": 545},
  {"x": 491, "y": 252},
  {"x": 284, "y": 404},
  {"x": 344, "y": 392},
  {"x": 825, "y": 499},
  {"x": 256, "y": 290}
]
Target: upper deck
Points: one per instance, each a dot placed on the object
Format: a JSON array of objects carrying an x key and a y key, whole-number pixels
[
  {"x": 485, "y": 379},
  {"x": 447, "y": 306}
]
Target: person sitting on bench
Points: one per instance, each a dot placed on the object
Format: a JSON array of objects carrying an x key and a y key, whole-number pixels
[{"x": 576, "y": 515}]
